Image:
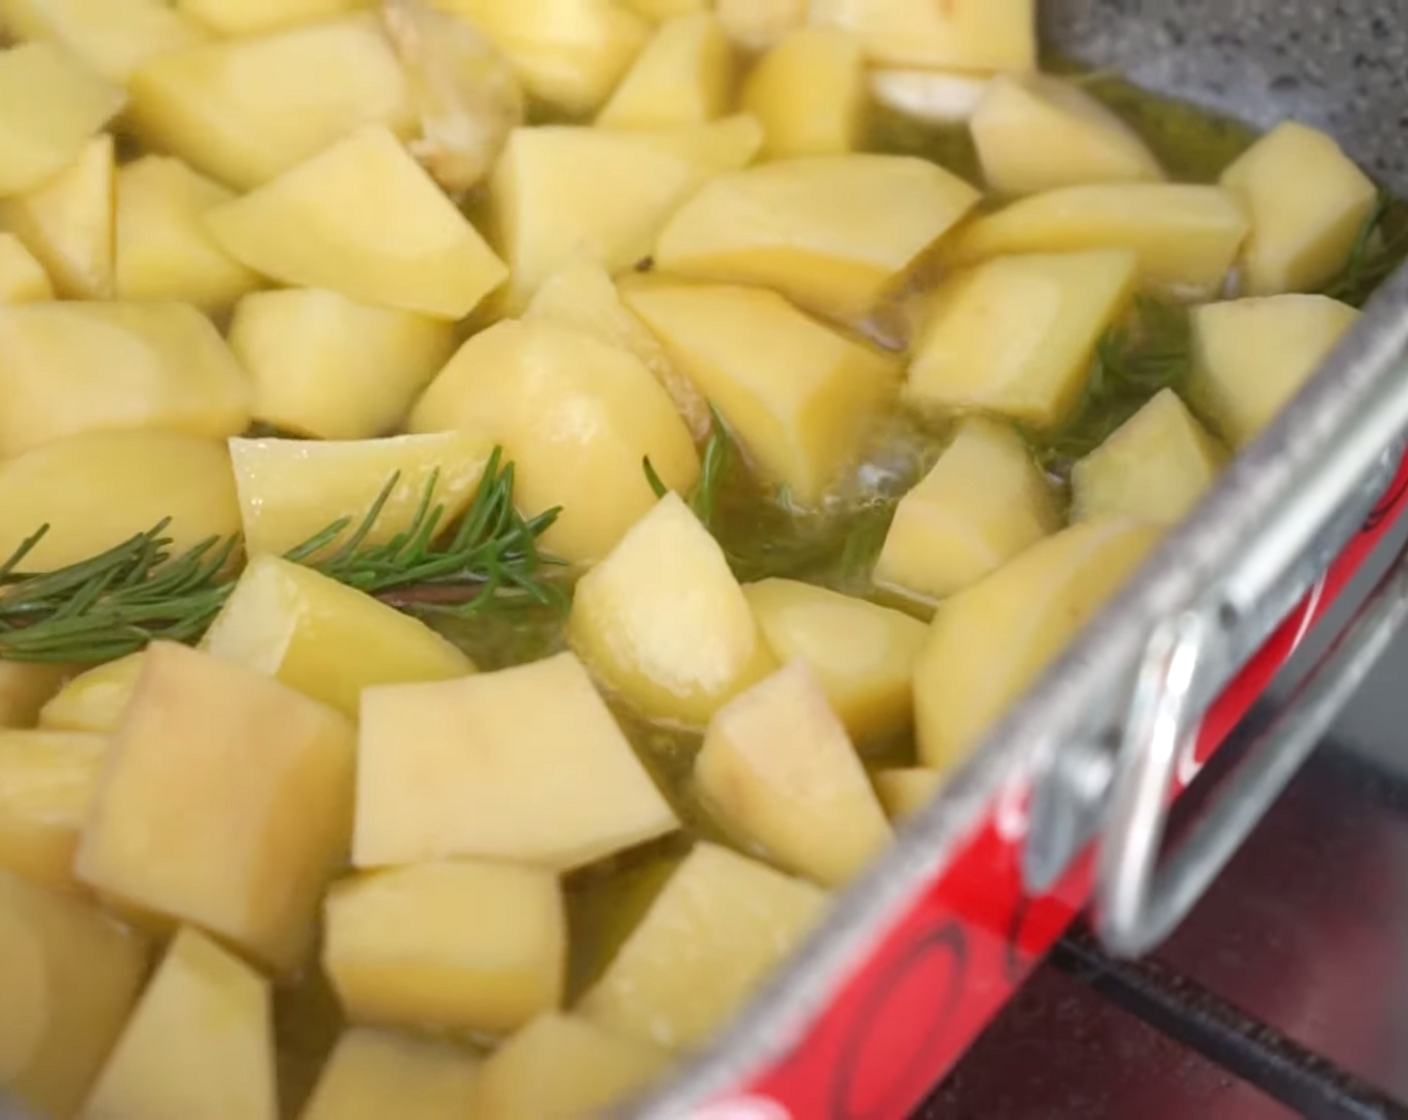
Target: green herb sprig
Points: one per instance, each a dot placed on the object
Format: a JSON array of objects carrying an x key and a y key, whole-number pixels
[
  {"x": 714, "y": 466},
  {"x": 1380, "y": 249}
]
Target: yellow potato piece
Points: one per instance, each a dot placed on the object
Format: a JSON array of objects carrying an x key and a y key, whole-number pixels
[
  {"x": 984, "y": 502},
  {"x": 227, "y": 803},
  {"x": 235, "y": 18},
  {"x": 200, "y": 1043},
  {"x": 722, "y": 145},
  {"x": 22, "y": 277},
  {"x": 374, "y": 1074},
  {"x": 1308, "y": 203},
  {"x": 70, "y": 977},
  {"x": 111, "y": 37},
  {"x": 757, "y": 25},
  {"x": 989, "y": 644},
  {"x": 683, "y": 76},
  {"x": 906, "y": 793},
  {"x": 47, "y": 781},
  {"x": 93, "y": 701},
  {"x": 658, "y": 11},
  {"x": 463, "y": 946},
  {"x": 809, "y": 94},
  {"x": 327, "y": 366},
  {"x": 979, "y": 35},
  {"x": 26, "y": 687}
]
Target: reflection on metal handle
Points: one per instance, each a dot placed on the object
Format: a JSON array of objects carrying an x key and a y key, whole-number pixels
[{"x": 1136, "y": 904}]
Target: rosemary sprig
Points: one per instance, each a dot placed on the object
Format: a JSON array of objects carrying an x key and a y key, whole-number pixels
[
  {"x": 1380, "y": 249},
  {"x": 713, "y": 470}
]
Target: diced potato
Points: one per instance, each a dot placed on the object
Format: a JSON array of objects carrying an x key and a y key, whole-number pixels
[
  {"x": 327, "y": 640},
  {"x": 1187, "y": 237},
  {"x": 200, "y": 1043},
  {"x": 1015, "y": 336},
  {"x": 809, "y": 94},
  {"x": 663, "y": 621},
  {"x": 984, "y": 502},
  {"x": 980, "y": 35},
  {"x": 454, "y": 946},
  {"x": 830, "y": 232},
  {"x": 801, "y": 397},
  {"x": 246, "y": 110},
  {"x": 1156, "y": 466},
  {"x": 99, "y": 489},
  {"x": 559, "y": 1067},
  {"x": 226, "y": 804},
  {"x": 720, "y": 926},
  {"x": 47, "y": 780},
  {"x": 163, "y": 248},
  {"x": 862, "y": 654},
  {"x": 1038, "y": 134},
  {"x": 70, "y": 978},
  {"x": 235, "y": 18},
  {"x": 658, "y": 11},
  {"x": 1251, "y": 356},
  {"x": 576, "y": 417},
  {"x": 1308, "y": 202},
  {"x": 110, "y": 37},
  {"x": 291, "y": 490},
  {"x": 95, "y": 700},
  {"x": 723, "y": 145},
  {"x": 67, "y": 368},
  {"x": 989, "y": 644},
  {"x": 684, "y": 76},
  {"x": 758, "y": 25},
  {"x": 375, "y": 1074},
  {"x": 25, "y": 688},
  {"x": 22, "y": 277},
  {"x": 931, "y": 96},
  {"x": 906, "y": 793},
  {"x": 327, "y": 366}
]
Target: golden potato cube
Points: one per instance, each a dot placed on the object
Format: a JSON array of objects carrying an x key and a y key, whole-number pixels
[
  {"x": 22, "y": 277},
  {"x": 721, "y": 925},
  {"x": 561, "y": 1066},
  {"x": 663, "y": 621},
  {"x": 862, "y": 654},
  {"x": 227, "y": 803},
  {"x": 1036, "y": 134},
  {"x": 373, "y": 1075},
  {"x": 830, "y": 232},
  {"x": 70, "y": 977},
  {"x": 25, "y": 689},
  {"x": 985, "y": 501},
  {"x": 809, "y": 94},
  {"x": 462, "y": 946},
  {"x": 99, "y": 489},
  {"x": 1308, "y": 202},
  {"x": 759, "y": 25},
  {"x": 906, "y": 793},
  {"x": 658, "y": 11},
  {"x": 95, "y": 700},
  {"x": 683, "y": 76},
  {"x": 1252, "y": 356},
  {"x": 978, "y": 35},
  {"x": 200, "y": 1043},
  {"x": 110, "y": 37},
  {"x": 577, "y": 417},
  {"x": 235, "y": 18},
  {"x": 47, "y": 781},
  {"x": 327, "y": 366},
  {"x": 164, "y": 250},
  {"x": 244, "y": 111},
  {"x": 988, "y": 644},
  {"x": 1156, "y": 466},
  {"x": 1016, "y": 335}
]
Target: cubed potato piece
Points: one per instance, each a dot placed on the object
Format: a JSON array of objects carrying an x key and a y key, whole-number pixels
[
  {"x": 110, "y": 37},
  {"x": 244, "y": 111},
  {"x": 663, "y": 621},
  {"x": 236, "y": 18},
  {"x": 1307, "y": 200},
  {"x": 989, "y": 644},
  {"x": 1187, "y": 237},
  {"x": 658, "y": 11},
  {"x": 200, "y": 1043},
  {"x": 93, "y": 701},
  {"x": 227, "y": 803},
  {"x": 1252, "y": 356},
  {"x": 862, "y": 654},
  {"x": 22, "y": 277},
  {"x": 68, "y": 223},
  {"x": 526, "y": 764},
  {"x": 721, "y": 925},
  {"x": 71, "y": 977},
  {"x": 801, "y": 397},
  {"x": 758, "y": 25},
  {"x": 327, "y": 640},
  {"x": 47, "y": 782},
  {"x": 53, "y": 106},
  {"x": 576, "y": 416},
  {"x": 906, "y": 793},
  {"x": 723, "y": 145},
  {"x": 291, "y": 490},
  {"x": 164, "y": 250},
  {"x": 985, "y": 501},
  {"x": 559, "y": 1067},
  {"x": 327, "y": 366},
  {"x": 977, "y": 35},
  {"x": 1156, "y": 466},
  {"x": 830, "y": 232},
  {"x": 26, "y": 688},
  {"x": 99, "y": 489},
  {"x": 809, "y": 94},
  {"x": 464, "y": 946},
  {"x": 375, "y": 1074},
  {"x": 683, "y": 76},
  {"x": 929, "y": 96}
]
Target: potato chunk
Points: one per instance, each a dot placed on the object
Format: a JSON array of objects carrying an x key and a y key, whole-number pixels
[
  {"x": 454, "y": 946},
  {"x": 235, "y": 18},
  {"x": 26, "y": 687},
  {"x": 984, "y": 502},
  {"x": 375, "y": 1074},
  {"x": 906, "y": 793},
  {"x": 1015, "y": 336},
  {"x": 47, "y": 781},
  {"x": 801, "y": 397},
  {"x": 809, "y": 94},
  {"x": 525, "y": 764},
  {"x": 200, "y": 1043},
  {"x": 720, "y": 926},
  {"x": 22, "y": 277},
  {"x": 110, "y": 37},
  {"x": 979, "y": 35},
  {"x": 226, "y": 804},
  {"x": 757, "y": 25},
  {"x": 658, "y": 11},
  {"x": 1251, "y": 356},
  {"x": 683, "y": 76},
  {"x": 93, "y": 701},
  {"x": 70, "y": 978}
]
